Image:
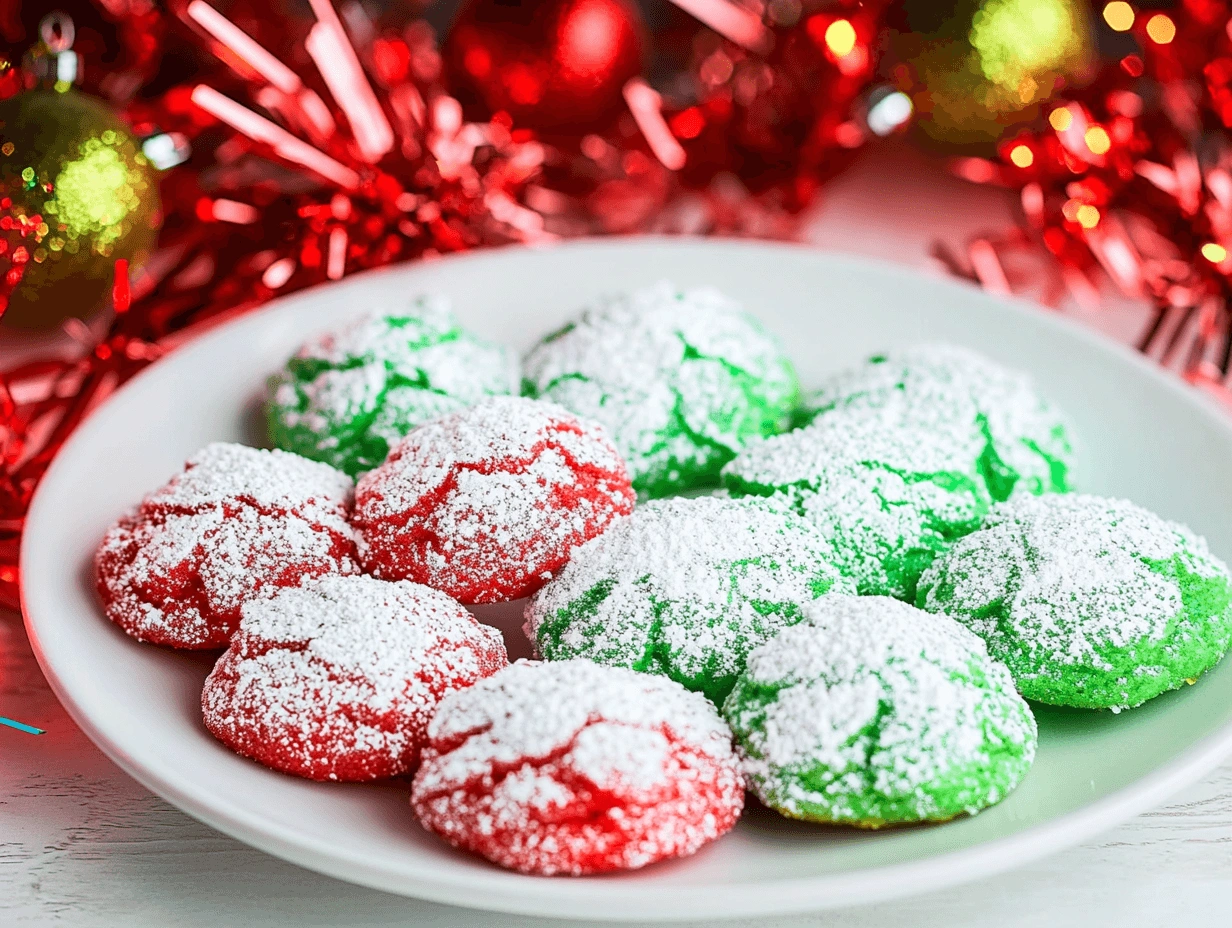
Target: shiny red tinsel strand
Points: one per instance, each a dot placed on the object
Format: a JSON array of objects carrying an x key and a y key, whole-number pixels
[
  {"x": 1129, "y": 180},
  {"x": 290, "y": 185}
]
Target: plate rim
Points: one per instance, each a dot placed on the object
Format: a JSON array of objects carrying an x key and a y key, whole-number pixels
[{"x": 576, "y": 898}]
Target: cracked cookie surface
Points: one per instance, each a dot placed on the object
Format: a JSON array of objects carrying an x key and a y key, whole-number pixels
[
  {"x": 348, "y": 396},
  {"x": 684, "y": 588},
  {"x": 1025, "y": 444},
  {"x": 489, "y": 502},
  {"x": 870, "y": 712},
  {"x": 574, "y": 768},
  {"x": 237, "y": 523},
  {"x": 338, "y": 679},
  {"x": 681, "y": 380},
  {"x": 1090, "y": 602},
  {"x": 889, "y": 495}
]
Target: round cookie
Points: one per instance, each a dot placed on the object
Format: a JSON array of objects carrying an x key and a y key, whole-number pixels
[
  {"x": 681, "y": 380},
  {"x": 488, "y": 502},
  {"x": 574, "y": 768},
  {"x": 348, "y": 396},
  {"x": 338, "y": 679},
  {"x": 1090, "y": 602},
  {"x": 685, "y": 588},
  {"x": 870, "y": 712},
  {"x": 887, "y": 495},
  {"x": 1024, "y": 442},
  {"x": 237, "y": 523}
]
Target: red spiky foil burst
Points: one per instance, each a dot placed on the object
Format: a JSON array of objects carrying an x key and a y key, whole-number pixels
[
  {"x": 351, "y": 153},
  {"x": 1130, "y": 181}
]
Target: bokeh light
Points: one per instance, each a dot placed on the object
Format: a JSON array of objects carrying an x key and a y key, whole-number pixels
[
  {"x": 1097, "y": 140},
  {"x": 1119, "y": 16},
  {"x": 840, "y": 37},
  {"x": 1022, "y": 156},
  {"x": 1060, "y": 118},
  {"x": 1161, "y": 28},
  {"x": 1214, "y": 252}
]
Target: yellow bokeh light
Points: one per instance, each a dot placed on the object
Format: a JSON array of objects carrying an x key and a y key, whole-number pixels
[
  {"x": 1097, "y": 140},
  {"x": 1060, "y": 118},
  {"x": 1119, "y": 16},
  {"x": 1022, "y": 156},
  {"x": 1161, "y": 28},
  {"x": 840, "y": 37},
  {"x": 1214, "y": 252},
  {"x": 1020, "y": 42},
  {"x": 1087, "y": 216}
]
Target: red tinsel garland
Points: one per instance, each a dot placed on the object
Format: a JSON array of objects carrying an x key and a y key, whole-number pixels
[
  {"x": 1130, "y": 179},
  {"x": 291, "y": 184}
]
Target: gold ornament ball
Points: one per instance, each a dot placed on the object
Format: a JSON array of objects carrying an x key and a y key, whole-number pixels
[
  {"x": 976, "y": 68},
  {"x": 76, "y": 195}
]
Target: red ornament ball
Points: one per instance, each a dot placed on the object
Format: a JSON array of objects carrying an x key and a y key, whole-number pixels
[
  {"x": 236, "y": 524},
  {"x": 487, "y": 503},
  {"x": 570, "y": 767},
  {"x": 338, "y": 680},
  {"x": 549, "y": 64}
]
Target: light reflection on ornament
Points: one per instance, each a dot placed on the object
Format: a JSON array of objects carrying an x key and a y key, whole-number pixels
[{"x": 888, "y": 112}]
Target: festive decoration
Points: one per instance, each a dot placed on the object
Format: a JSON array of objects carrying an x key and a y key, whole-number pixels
[
  {"x": 974, "y": 67},
  {"x": 549, "y": 64},
  {"x": 76, "y": 194},
  {"x": 1131, "y": 180},
  {"x": 320, "y": 148}
]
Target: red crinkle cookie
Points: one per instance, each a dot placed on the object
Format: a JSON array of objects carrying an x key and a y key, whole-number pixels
[
  {"x": 337, "y": 680},
  {"x": 573, "y": 768},
  {"x": 487, "y": 503},
  {"x": 236, "y": 523}
]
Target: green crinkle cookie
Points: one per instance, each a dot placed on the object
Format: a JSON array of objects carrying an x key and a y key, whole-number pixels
[
  {"x": 889, "y": 496},
  {"x": 680, "y": 380},
  {"x": 348, "y": 396},
  {"x": 684, "y": 588},
  {"x": 1090, "y": 602},
  {"x": 870, "y": 712},
  {"x": 1024, "y": 442}
]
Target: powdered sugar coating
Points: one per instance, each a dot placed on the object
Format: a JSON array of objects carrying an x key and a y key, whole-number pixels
[
  {"x": 487, "y": 503},
  {"x": 338, "y": 679},
  {"x": 1090, "y": 601},
  {"x": 350, "y": 395},
  {"x": 887, "y": 494},
  {"x": 237, "y": 523},
  {"x": 1025, "y": 446},
  {"x": 574, "y": 768},
  {"x": 870, "y": 712},
  {"x": 684, "y": 588},
  {"x": 681, "y": 380}
]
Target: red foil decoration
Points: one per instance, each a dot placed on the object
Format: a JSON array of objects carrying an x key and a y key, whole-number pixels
[
  {"x": 1129, "y": 181},
  {"x": 326, "y": 146}
]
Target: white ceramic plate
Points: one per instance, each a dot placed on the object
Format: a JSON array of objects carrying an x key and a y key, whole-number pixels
[{"x": 1145, "y": 436}]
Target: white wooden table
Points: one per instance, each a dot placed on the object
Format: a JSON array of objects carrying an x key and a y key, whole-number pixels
[{"x": 83, "y": 845}]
